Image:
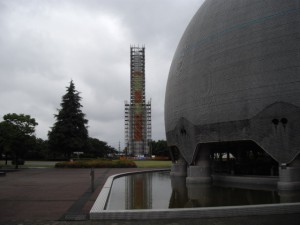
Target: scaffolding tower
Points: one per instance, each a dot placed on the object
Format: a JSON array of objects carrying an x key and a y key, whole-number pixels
[{"x": 137, "y": 111}]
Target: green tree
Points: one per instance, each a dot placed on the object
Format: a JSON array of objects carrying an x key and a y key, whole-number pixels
[
  {"x": 160, "y": 148},
  {"x": 100, "y": 148},
  {"x": 40, "y": 150},
  {"x": 17, "y": 135},
  {"x": 69, "y": 133}
]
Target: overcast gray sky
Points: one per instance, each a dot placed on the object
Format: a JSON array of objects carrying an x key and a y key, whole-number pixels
[{"x": 46, "y": 43}]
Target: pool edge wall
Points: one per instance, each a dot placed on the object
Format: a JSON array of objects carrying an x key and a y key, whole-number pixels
[{"x": 206, "y": 212}]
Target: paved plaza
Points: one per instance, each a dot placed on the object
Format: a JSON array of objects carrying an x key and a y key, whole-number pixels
[{"x": 63, "y": 196}]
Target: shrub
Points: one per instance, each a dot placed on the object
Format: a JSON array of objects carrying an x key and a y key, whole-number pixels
[{"x": 96, "y": 164}]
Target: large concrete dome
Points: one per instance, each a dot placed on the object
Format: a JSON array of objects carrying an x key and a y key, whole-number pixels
[{"x": 236, "y": 76}]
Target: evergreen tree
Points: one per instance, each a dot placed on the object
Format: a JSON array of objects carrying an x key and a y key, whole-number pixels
[{"x": 69, "y": 133}]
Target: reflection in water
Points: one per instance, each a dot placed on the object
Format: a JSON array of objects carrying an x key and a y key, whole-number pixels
[
  {"x": 208, "y": 196},
  {"x": 197, "y": 195},
  {"x": 139, "y": 191},
  {"x": 179, "y": 195},
  {"x": 158, "y": 191}
]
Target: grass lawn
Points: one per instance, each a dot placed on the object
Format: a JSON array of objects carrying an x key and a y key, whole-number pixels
[{"x": 152, "y": 164}]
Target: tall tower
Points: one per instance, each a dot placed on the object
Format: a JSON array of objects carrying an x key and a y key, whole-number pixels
[{"x": 137, "y": 111}]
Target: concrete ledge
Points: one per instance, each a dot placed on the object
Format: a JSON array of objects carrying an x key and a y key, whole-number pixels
[{"x": 206, "y": 212}]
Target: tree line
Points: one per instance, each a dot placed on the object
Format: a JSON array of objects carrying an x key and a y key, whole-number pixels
[
  {"x": 68, "y": 134},
  {"x": 160, "y": 148}
]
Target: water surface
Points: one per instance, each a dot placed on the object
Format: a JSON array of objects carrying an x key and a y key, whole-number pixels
[{"x": 157, "y": 190}]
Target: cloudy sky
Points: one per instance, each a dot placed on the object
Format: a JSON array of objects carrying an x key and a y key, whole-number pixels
[{"x": 46, "y": 43}]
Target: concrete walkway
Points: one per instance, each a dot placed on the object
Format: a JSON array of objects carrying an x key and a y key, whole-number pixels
[{"x": 63, "y": 196}]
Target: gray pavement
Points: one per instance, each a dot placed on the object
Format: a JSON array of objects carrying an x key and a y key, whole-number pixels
[{"x": 63, "y": 196}]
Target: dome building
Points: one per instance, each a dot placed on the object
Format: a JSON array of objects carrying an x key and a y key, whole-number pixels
[{"x": 233, "y": 92}]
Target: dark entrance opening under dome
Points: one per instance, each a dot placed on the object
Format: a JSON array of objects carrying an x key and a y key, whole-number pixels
[{"x": 242, "y": 158}]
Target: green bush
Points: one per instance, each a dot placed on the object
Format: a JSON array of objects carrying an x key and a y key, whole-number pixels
[{"x": 96, "y": 164}]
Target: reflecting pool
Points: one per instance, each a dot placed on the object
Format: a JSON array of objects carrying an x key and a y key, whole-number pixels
[{"x": 157, "y": 190}]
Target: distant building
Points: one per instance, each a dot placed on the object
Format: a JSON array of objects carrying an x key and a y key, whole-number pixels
[{"x": 137, "y": 111}]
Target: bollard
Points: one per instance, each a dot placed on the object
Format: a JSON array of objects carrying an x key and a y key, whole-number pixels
[{"x": 92, "y": 174}]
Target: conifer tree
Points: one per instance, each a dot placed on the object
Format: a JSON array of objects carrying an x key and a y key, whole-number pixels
[{"x": 69, "y": 133}]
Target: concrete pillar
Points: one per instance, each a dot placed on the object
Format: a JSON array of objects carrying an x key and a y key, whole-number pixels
[
  {"x": 200, "y": 172},
  {"x": 289, "y": 176},
  {"x": 289, "y": 196},
  {"x": 179, "y": 168}
]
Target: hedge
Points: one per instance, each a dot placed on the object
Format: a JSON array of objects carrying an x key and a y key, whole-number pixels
[{"x": 96, "y": 164}]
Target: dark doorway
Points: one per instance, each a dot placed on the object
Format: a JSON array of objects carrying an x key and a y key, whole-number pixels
[{"x": 242, "y": 158}]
